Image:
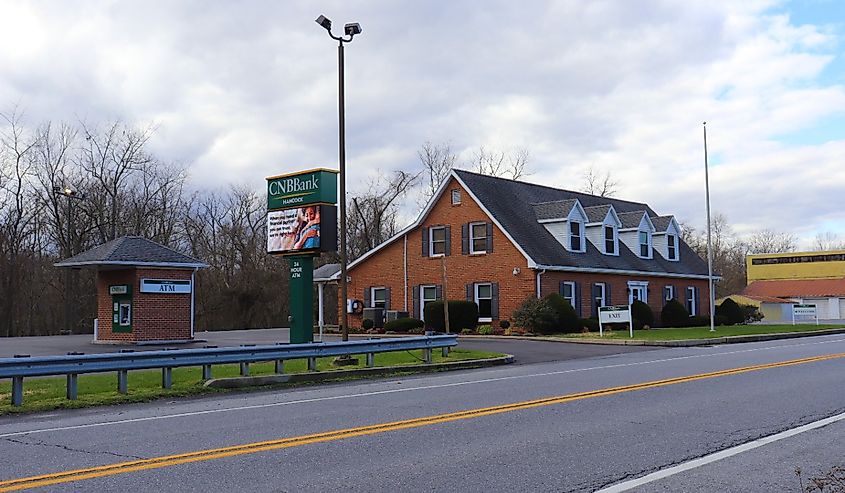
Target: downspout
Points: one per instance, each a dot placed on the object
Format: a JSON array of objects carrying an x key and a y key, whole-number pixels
[
  {"x": 193, "y": 297},
  {"x": 405, "y": 274},
  {"x": 539, "y": 273}
]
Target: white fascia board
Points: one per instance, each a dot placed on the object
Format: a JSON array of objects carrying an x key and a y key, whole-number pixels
[
  {"x": 648, "y": 223},
  {"x": 164, "y": 265},
  {"x": 596, "y": 270},
  {"x": 612, "y": 212},
  {"x": 577, "y": 207},
  {"x": 531, "y": 263}
]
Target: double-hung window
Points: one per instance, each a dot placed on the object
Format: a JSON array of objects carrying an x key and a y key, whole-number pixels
[
  {"x": 437, "y": 240},
  {"x": 576, "y": 239},
  {"x": 669, "y": 293},
  {"x": 692, "y": 305},
  {"x": 609, "y": 240},
  {"x": 478, "y": 238},
  {"x": 378, "y": 297},
  {"x": 569, "y": 292},
  {"x": 672, "y": 247},
  {"x": 484, "y": 300},
  {"x": 645, "y": 245},
  {"x": 427, "y": 295}
]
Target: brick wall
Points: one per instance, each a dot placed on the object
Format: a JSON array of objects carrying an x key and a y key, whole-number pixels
[
  {"x": 154, "y": 316},
  {"x": 385, "y": 269}
]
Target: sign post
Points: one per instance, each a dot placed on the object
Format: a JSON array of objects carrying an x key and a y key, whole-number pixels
[
  {"x": 302, "y": 223},
  {"x": 615, "y": 315}
]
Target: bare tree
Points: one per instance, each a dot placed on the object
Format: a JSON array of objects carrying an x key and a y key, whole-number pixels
[
  {"x": 599, "y": 183},
  {"x": 728, "y": 253},
  {"x": 770, "y": 241},
  {"x": 374, "y": 213},
  {"x": 504, "y": 164},
  {"x": 828, "y": 241},
  {"x": 437, "y": 161}
]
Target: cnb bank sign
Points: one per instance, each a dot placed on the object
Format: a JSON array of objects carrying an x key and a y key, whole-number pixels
[{"x": 317, "y": 186}]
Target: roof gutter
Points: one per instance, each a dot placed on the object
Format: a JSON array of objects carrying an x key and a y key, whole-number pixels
[{"x": 593, "y": 270}]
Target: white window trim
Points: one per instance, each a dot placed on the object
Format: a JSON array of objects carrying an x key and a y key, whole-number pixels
[
  {"x": 650, "y": 242},
  {"x": 581, "y": 234},
  {"x": 671, "y": 290},
  {"x": 692, "y": 306},
  {"x": 637, "y": 285},
  {"x": 472, "y": 251},
  {"x": 571, "y": 284},
  {"x": 615, "y": 239},
  {"x": 603, "y": 292},
  {"x": 423, "y": 299},
  {"x": 677, "y": 252},
  {"x": 455, "y": 192},
  {"x": 431, "y": 241},
  {"x": 373, "y": 295},
  {"x": 475, "y": 295}
]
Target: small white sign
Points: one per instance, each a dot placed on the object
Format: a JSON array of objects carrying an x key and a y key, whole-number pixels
[
  {"x": 804, "y": 312},
  {"x": 615, "y": 315},
  {"x": 166, "y": 286}
]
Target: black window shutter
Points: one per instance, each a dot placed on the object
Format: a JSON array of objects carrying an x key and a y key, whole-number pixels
[
  {"x": 416, "y": 302},
  {"x": 425, "y": 242},
  {"x": 594, "y": 303},
  {"x": 387, "y": 298},
  {"x": 464, "y": 239},
  {"x": 448, "y": 240},
  {"x": 438, "y": 290},
  {"x": 489, "y": 237},
  {"x": 560, "y": 288},
  {"x": 367, "y": 300},
  {"x": 607, "y": 294},
  {"x": 494, "y": 301},
  {"x": 698, "y": 302},
  {"x": 576, "y": 293},
  {"x": 470, "y": 292}
]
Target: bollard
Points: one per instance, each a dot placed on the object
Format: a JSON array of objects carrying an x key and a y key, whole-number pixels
[
  {"x": 72, "y": 380},
  {"x": 280, "y": 366},
  {"x": 371, "y": 360},
  {"x": 427, "y": 355},
  {"x": 17, "y": 391},
  {"x": 166, "y": 378},
  {"x": 312, "y": 364},
  {"x": 244, "y": 369},
  {"x": 122, "y": 378}
]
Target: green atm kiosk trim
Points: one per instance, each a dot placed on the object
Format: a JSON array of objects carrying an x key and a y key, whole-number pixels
[{"x": 121, "y": 297}]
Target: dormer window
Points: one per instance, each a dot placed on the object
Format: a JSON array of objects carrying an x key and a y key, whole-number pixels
[
  {"x": 645, "y": 244},
  {"x": 610, "y": 240},
  {"x": 576, "y": 236},
  {"x": 672, "y": 247}
]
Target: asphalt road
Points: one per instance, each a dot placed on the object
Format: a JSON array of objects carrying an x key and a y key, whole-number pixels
[{"x": 560, "y": 429}]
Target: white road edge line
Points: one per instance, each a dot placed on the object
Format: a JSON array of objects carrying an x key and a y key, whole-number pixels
[
  {"x": 724, "y": 454},
  {"x": 393, "y": 391}
]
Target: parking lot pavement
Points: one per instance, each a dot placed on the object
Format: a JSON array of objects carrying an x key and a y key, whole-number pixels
[{"x": 525, "y": 351}]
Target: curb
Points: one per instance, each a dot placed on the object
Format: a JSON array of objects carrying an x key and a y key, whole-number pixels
[
  {"x": 706, "y": 342},
  {"x": 241, "y": 382}
]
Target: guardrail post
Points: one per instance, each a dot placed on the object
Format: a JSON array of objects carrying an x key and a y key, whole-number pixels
[
  {"x": 280, "y": 366},
  {"x": 206, "y": 372},
  {"x": 72, "y": 380},
  {"x": 244, "y": 369},
  {"x": 312, "y": 364},
  {"x": 371, "y": 359},
  {"x": 122, "y": 378},
  {"x": 166, "y": 378},
  {"x": 17, "y": 391},
  {"x": 445, "y": 352},
  {"x": 427, "y": 355}
]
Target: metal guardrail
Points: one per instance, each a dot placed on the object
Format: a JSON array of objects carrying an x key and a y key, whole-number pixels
[{"x": 75, "y": 364}]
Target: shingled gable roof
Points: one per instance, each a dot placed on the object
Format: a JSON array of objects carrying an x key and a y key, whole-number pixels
[
  {"x": 597, "y": 213},
  {"x": 557, "y": 209},
  {"x": 509, "y": 203},
  {"x": 131, "y": 251},
  {"x": 661, "y": 223},
  {"x": 631, "y": 220}
]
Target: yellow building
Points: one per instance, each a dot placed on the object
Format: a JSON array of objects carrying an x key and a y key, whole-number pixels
[{"x": 796, "y": 265}]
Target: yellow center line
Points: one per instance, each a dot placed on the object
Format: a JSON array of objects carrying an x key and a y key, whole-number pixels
[{"x": 255, "y": 447}]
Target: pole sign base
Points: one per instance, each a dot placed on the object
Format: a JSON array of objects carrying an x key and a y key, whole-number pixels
[{"x": 301, "y": 299}]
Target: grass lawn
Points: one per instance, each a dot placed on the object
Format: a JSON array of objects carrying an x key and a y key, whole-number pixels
[
  {"x": 671, "y": 334},
  {"x": 42, "y": 394}
]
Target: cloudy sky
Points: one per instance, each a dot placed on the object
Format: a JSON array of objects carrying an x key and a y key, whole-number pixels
[{"x": 243, "y": 90}]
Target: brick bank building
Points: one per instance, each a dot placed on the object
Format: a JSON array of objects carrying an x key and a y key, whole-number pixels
[
  {"x": 503, "y": 241},
  {"x": 145, "y": 291}
]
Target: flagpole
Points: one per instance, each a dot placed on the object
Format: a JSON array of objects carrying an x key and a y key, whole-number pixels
[{"x": 709, "y": 245}]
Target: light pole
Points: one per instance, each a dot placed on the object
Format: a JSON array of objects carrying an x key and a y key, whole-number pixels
[
  {"x": 71, "y": 195},
  {"x": 350, "y": 30},
  {"x": 711, "y": 294}
]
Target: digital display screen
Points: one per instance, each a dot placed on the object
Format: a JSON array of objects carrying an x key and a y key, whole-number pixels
[{"x": 294, "y": 230}]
